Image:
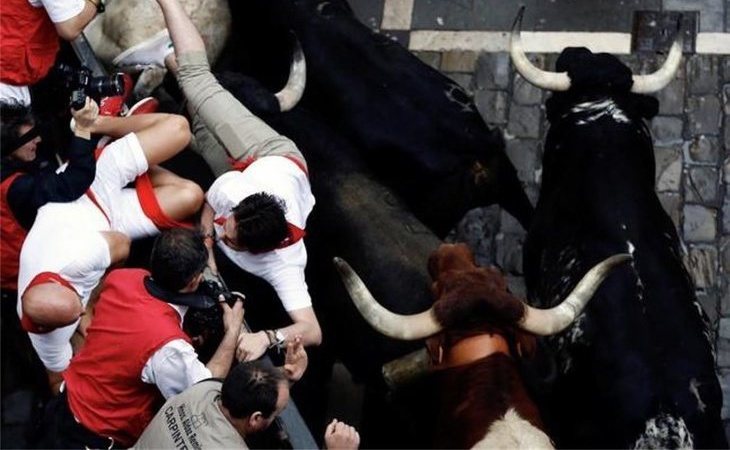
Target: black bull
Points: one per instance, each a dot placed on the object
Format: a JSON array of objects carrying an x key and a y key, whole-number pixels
[
  {"x": 638, "y": 368},
  {"x": 416, "y": 129}
]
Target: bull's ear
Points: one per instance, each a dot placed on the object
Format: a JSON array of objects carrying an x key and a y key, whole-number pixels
[{"x": 525, "y": 343}]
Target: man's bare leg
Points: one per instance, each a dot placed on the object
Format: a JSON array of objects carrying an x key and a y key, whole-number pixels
[
  {"x": 161, "y": 136},
  {"x": 178, "y": 197}
]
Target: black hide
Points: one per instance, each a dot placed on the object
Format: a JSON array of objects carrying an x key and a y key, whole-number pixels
[
  {"x": 641, "y": 355},
  {"x": 415, "y": 128}
]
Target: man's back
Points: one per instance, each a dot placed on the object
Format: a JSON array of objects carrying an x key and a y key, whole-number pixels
[
  {"x": 192, "y": 420},
  {"x": 105, "y": 388}
]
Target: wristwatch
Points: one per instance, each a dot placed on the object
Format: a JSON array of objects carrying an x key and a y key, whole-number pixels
[{"x": 276, "y": 338}]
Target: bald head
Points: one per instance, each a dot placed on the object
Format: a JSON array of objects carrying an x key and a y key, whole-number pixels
[{"x": 51, "y": 305}]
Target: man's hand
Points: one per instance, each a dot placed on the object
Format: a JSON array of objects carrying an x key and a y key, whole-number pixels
[
  {"x": 251, "y": 346},
  {"x": 296, "y": 360},
  {"x": 232, "y": 317},
  {"x": 341, "y": 436},
  {"x": 54, "y": 381},
  {"x": 85, "y": 118}
]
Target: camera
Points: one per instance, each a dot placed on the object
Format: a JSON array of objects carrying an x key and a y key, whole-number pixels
[
  {"x": 213, "y": 290},
  {"x": 82, "y": 84}
]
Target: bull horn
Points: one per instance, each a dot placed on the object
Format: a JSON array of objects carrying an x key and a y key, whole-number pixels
[
  {"x": 396, "y": 326},
  {"x": 290, "y": 95},
  {"x": 646, "y": 84},
  {"x": 407, "y": 368},
  {"x": 546, "y": 322},
  {"x": 553, "y": 81}
]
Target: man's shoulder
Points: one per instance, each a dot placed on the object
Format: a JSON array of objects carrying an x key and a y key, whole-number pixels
[
  {"x": 202, "y": 388},
  {"x": 127, "y": 273}
]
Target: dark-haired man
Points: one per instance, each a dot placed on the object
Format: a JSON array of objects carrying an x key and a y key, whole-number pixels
[
  {"x": 136, "y": 349},
  {"x": 257, "y": 213},
  {"x": 222, "y": 414}
]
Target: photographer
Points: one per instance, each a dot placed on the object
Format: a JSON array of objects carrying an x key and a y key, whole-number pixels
[
  {"x": 135, "y": 348},
  {"x": 30, "y": 31},
  {"x": 27, "y": 184}
]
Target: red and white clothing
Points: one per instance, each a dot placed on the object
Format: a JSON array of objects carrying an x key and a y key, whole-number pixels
[
  {"x": 105, "y": 383},
  {"x": 12, "y": 236},
  {"x": 65, "y": 238},
  {"x": 283, "y": 268},
  {"x": 30, "y": 42}
]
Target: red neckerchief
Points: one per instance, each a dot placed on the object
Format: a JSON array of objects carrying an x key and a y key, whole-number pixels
[
  {"x": 44, "y": 277},
  {"x": 295, "y": 234}
]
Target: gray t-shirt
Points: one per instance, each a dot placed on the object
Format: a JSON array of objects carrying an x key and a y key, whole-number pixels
[{"x": 192, "y": 420}]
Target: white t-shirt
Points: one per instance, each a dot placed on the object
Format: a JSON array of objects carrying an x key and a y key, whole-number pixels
[
  {"x": 65, "y": 239},
  {"x": 175, "y": 366},
  {"x": 18, "y": 94},
  {"x": 58, "y": 243},
  {"x": 282, "y": 268},
  {"x": 59, "y": 10}
]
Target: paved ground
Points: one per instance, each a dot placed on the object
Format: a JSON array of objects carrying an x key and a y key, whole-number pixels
[{"x": 691, "y": 132}]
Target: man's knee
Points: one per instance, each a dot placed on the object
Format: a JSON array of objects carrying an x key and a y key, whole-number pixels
[{"x": 191, "y": 195}]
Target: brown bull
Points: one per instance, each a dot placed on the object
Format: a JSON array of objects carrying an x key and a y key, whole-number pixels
[{"x": 475, "y": 329}]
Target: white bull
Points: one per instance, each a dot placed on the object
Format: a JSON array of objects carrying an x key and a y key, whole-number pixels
[{"x": 128, "y": 22}]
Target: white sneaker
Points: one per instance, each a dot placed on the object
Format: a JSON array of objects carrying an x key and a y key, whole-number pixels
[{"x": 151, "y": 52}]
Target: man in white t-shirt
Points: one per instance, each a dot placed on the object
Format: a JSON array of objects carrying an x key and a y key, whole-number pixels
[
  {"x": 258, "y": 212},
  {"x": 70, "y": 245},
  {"x": 30, "y": 30}
]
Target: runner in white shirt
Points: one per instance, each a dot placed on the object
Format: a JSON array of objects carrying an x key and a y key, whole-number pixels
[
  {"x": 258, "y": 213},
  {"x": 71, "y": 245}
]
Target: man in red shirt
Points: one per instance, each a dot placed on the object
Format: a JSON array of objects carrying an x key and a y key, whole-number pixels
[
  {"x": 30, "y": 30},
  {"x": 136, "y": 352}
]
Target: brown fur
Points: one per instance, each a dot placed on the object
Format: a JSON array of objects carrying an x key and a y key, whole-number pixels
[
  {"x": 474, "y": 300},
  {"x": 474, "y": 396}
]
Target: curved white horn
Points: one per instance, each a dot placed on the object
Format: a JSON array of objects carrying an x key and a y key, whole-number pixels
[
  {"x": 646, "y": 84},
  {"x": 396, "y": 326},
  {"x": 545, "y": 322},
  {"x": 554, "y": 81},
  {"x": 290, "y": 95}
]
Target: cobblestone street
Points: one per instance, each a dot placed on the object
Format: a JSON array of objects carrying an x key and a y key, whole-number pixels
[{"x": 691, "y": 132}]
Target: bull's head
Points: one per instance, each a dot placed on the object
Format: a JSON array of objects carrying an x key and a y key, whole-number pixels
[
  {"x": 467, "y": 295},
  {"x": 578, "y": 68}
]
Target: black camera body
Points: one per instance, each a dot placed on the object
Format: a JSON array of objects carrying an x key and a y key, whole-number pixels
[
  {"x": 213, "y": 290},
  {"x": 82, "y": 84}
]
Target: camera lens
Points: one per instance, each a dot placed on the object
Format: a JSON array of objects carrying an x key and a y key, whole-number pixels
[{"x": 106, "y": 86}]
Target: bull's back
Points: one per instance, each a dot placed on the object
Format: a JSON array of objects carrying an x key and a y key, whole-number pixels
[{"x": 631, "y": 366}]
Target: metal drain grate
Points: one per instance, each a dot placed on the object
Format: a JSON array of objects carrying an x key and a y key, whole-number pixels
[{"x": 654, "y": 31}]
